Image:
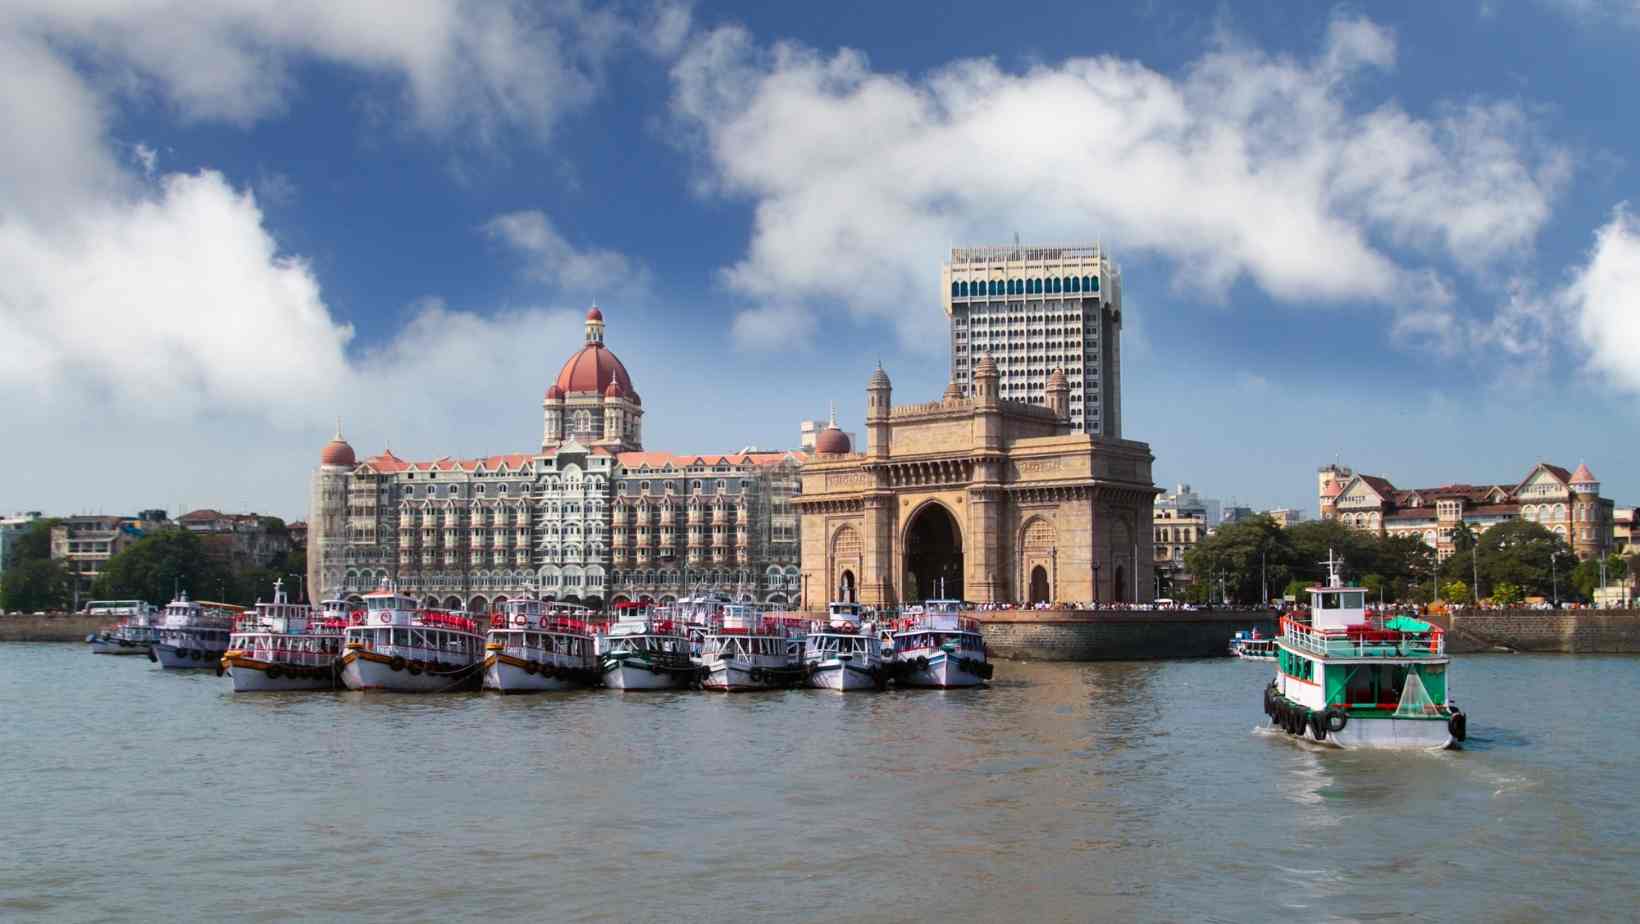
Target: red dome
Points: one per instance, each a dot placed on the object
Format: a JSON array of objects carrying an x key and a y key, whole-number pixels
[
  {"x": 593, "y": 369},
  {"x": 614, "y": 391},
  {"x": 594, "y": 314},
  {"x": 554, "y": 393},
  {"x": 337, "y": 452},
  {"x": 832, "y": 440}
]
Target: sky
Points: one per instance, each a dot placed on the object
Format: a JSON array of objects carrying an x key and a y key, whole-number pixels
[{"x": 1396, "y": 235}]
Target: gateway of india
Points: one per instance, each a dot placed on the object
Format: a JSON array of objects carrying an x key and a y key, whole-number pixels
[{"x": 1015, "y": 486}]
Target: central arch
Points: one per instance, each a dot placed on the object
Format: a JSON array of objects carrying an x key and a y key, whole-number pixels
[{"x": 933, "y": 555}]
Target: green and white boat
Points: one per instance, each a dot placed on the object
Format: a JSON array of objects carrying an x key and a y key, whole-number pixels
[{"x": 1349, "y": 680}]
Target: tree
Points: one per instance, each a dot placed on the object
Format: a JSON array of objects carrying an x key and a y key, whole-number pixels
[
  {"x": 1507, "y": 594},
  {"x": 1248, "y": 555},
  {"x": 1586, "y": 575},
  {"x": 35, "y": 584},
  {"x": 154, "y": 567},
  {"x": 1455, "y": 592},
  {"x": 1519, "y": 552}
]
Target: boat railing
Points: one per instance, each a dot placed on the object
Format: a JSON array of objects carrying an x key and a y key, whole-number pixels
[{"x": 1363, "y": 642}]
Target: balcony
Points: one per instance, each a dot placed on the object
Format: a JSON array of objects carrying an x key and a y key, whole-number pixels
[{"x": 1363, "y": 641}]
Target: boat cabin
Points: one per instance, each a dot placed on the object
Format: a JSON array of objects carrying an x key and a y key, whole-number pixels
[{"x": 827, "y": 645}]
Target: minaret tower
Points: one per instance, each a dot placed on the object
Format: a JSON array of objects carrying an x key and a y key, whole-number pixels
[{"x": 327, "y": 518}]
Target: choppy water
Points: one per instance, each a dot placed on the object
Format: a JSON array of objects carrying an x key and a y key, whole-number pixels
[{"x": 1064, "y": 792}]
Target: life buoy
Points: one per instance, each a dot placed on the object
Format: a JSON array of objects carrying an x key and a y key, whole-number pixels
[
  {"x": 385, "y": 618},
  {"x": 1458, "y": 725},
  {"x": 397, "y": 664},
  {"x": 520, "y": 621}
]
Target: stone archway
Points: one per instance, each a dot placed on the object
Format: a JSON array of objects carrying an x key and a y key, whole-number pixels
[
  {"x": 1118, "y": 591},
  {"x": 847, "y": 587},
  {"x": 933, "y": 555},
  {"x": 1039, "y": 584},
  {"x": 452, "y": 603}
]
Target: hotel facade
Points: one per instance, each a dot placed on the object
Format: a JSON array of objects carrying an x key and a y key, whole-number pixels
[{"x": 591, "y": 517}]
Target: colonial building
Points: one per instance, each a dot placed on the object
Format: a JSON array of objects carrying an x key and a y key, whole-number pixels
[
  {"x": 976, "y": 497},
  {"x": 589, "y": 518},
  {"x": 1180, "y": 519},
  {"x": 1568, "y": 504},
  {"x": 1036, "y": 309}
]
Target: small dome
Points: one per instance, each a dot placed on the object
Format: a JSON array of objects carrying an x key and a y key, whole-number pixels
[
  {"x": 832, "y": 441},
  {"x": 1583, "y": 475},
  {"x": 879, "y": 379},
  {"x": 337, "y": 452},
  {"x": 593, "y": 314},
  {"x": 986, "y": 366},
  {"x": 1056, "y": 379},
  {"x": 953, "y": 392},
  {"x": 633, "y": 396},
  {"x": 554, "y": 393},
  {"x": 614, "y": 391}
]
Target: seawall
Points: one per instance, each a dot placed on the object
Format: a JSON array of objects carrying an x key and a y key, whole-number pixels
[
  {"x": 1117, "y": 635},
  {"x": 52, "y": 627},
  {"x": 1544, "y": 631}
]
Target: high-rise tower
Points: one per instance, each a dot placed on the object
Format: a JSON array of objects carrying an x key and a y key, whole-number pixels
[{"x": 1034, "y": 310}]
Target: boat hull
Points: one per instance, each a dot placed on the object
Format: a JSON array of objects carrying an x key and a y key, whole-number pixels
[
  {"x": 507, "y": 674},
  {"x": 369, "y": 671},
  {"x": 1386, "y": 733},
  {"x": 739, "y": 677},
  {"x": 108, "y": 645},
  {"x": 250, "y": 676},
  {"x": 942, "y": 672},
  {"x": 632, "y": 675},
  {"x": 173, "y": 658},
  {"x": 846, "y": 677}
]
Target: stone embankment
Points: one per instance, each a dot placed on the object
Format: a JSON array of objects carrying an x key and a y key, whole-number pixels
[
  {"x": 1117, "y": 635},
  {"x": 1545, "y": 631},
  {"x": 49, "y": 627}
]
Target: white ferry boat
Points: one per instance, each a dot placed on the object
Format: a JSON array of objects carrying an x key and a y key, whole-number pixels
[
  {"x": 935, "y": 646},
  {"x": 846, "y": 654},
  {"x": 191, "y": 634},
  {"x": 746, "y": 653},
  {"x": 397, "y": 647},
  {"x": 282, "y": 646},
  {"x": 534, "y": 646},
  {"x": 136, "y": 631},
  {"x": 642, "y": 653},
  {"x": 1248, "y": 645},
  {"x": 1351, "y": 681}
]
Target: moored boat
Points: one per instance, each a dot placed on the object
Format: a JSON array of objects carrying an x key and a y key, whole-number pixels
[
  {"x": 397, "y": 647},
  {"x": 1350, "y": 680},
  {"x": 936, "y": 646},
  {"x": 535, "y": 647},
  {"x": 746, "y": 652},
  {"x": 845, "y": 654},
  {"x": 192, "y": 635},
  {"x": 641, "y": 653},
  {"x": 1248, "y": 645},
  {"x": 134, "y": 634},
  {"x": 283, "y": 646}
]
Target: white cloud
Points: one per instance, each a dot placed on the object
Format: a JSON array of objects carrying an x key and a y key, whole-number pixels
[
  {"x": 1245, "y": 165},
  {"x": 468, "y": 65},
  {"x": 552, "y": 259},
  {"x": 1604, "y": 296}
]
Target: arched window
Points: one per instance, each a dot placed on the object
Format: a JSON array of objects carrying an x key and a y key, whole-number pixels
[
  {"x": 583, "y": 421},
  {"x": 954, "y": 287},
  {"x": 1090, "y": 283},
  {"x": 1076, "y": 284}
]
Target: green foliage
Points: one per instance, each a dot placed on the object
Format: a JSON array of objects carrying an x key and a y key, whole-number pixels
[
  {"x": 1520, "y": 552},
  {"x": 1293, "y": 558},
  {"x": 1295, "y": 590},
  {"x": 1235, "y": 554},
  {"x": 35, "y": 584},
  {"x": 32, "y": 544},
  {"x": 1455, "y": 592},
  {"x": 1507, "y": 594},
  {"x": 158, "y": 564},
  {"x": 1586, "y": 575}
]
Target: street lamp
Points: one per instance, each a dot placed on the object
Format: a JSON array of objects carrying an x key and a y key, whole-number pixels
[{"x": 1096, "y": 584}]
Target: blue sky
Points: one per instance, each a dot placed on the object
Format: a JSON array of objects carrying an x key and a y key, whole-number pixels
[{"x": 1395, "y": 234}]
